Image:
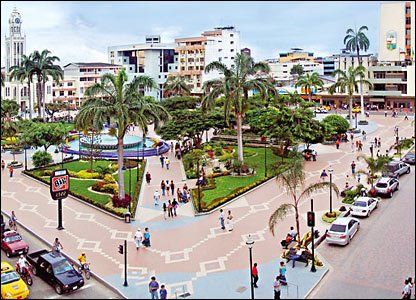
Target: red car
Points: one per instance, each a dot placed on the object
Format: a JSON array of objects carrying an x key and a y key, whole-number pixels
[{"x": 13, "y": 244}]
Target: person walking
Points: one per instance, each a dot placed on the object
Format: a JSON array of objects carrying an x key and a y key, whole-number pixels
[
  {"x": 153, "y": 287},
  {"x": 360, "y": 146},
  {"x": 379, "y": 142},
  {"x": 11, "y": 171},
  {"x": 167, "y": 188},
  {"x": 337, "y": 142},
  {"x": 163, "y": 187},
  {"x": 57, "y": 246},
  {"x": 165, "y": 209},
  {"x": 282, "y": 273},
  {"x": 138, "y": 238},
  {"x": 352, "y": 147},
  {"x": 358, "y": 177},
  {"x": 3, "y": 164},
  {"x": 162, "y": 160},
  {"x": 407, "y": 292},
  {"x": 378, "y": 153},
  {"x": 167, "y": 162},
  {"x": 170, "y": 213},
  {"x": 255, "y": 274},
  {"x": 148, "y": 177},
  {"x": 229, "y": 221},
  {"x": 174, "y": 206},
  {"x": 406, "y": 117},
  {"x": 146, "y": 235},
  {"x": 156, "y": 197},
  {"x": 324, "y": 175},
  {"x": 276, "y": 286},
  {"x": 172, "y": 187},
  {"x": 222, "y": 219},
  {"x": 353, "y": 165},
  {"x": 163, "y": 292}
]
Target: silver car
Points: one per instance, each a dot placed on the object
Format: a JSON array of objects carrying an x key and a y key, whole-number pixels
[
  {"x": 342, "y": 230},
  {"x": 386, "y": 186}
]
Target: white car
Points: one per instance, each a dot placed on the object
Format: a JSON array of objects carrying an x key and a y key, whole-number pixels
[
  {"x": 342, "y": 230},
  {"x": 363, "y": 206},
  {"x": 319, "y": 110}
]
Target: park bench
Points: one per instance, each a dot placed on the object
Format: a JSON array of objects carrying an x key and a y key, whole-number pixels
[
  {"x": 285, "y": 244},
  {"x": 305, "y": 256},
  {"x": 347, "y": 189}
]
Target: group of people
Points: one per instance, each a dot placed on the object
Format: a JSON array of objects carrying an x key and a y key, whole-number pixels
[
  {"x": 312, "y": 155},
  {"x": 154, "y": 288},
  {"x": 142, "y": 239},
  {"x": 229, "y": 224},
  {"x": 280, "y": 279},
  {"x": 164, "y": 161}
]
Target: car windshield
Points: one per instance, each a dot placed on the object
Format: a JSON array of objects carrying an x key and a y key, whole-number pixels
[
  {"x": 381, "y": 185},
  {"x": 337, "y": 228},
  {"x": 9, "y": 277},
  {"x": 13, "y": 238},
  {"x": 391, "y": 168},
  {"x": 360, "y": 203},
  {"x": 62, "y": 267}
]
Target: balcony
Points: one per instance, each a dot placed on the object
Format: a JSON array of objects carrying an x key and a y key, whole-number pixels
[
  {"x": 385, "y": 68},
  {"x": 386, "y": 80},
  {"x": 384, "y": 93}
]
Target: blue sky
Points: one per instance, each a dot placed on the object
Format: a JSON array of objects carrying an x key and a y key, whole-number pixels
[{"x": 81, "y": 31}]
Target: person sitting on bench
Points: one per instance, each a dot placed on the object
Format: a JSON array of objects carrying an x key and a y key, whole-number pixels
[
  {"x": 298, "y": 254},
  {"x": 286, "y": 242},
  {"x": 293, "y": 233}
]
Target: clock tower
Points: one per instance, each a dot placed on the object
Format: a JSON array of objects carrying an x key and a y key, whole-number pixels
[{"x": 16, "y": 42}]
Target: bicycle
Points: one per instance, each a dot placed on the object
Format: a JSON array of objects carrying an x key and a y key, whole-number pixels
[
  {"x": 86, "y": 269},
  {"x": 12, "y": 225}
]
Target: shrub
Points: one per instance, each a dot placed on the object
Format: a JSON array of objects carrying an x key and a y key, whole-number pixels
[
  {"x": 190, "y": 174},
  {"x": 41, "y": 158},
  {"x": 98, "y": 186},
  {"x": 330, "y": 219},
  {"x": 84, "y": 174},
  {"x": 111, "y": 188},
  {"x": 226, "y": 156},
  {"x": 108, "y": 178},
  {"x": 218, "y": 151},
  {"x": 351, "y": 194},
  {"x": 117, "y": 202}
]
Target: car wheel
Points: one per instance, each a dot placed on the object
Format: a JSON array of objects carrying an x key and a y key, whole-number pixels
[
  {"x": 397, "y": 187},
  {"x": 58, "y": 289},
  {"x": 35, "y": 271},
  {"x": 348, "y": 240},
  {"x": 408, "y": 171},
  {"x": 368, "y": 214},
  {"x": 8, "y": 254},
  {"x": 390, "y": 194}
]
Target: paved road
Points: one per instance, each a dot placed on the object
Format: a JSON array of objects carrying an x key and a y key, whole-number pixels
[
  {"x": 92, "y": 289},
  {"x": 372, "y": 266}
]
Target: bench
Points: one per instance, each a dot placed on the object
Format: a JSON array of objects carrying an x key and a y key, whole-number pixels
[
  {"x": 285, "y": 244},
  {"x": 305, "y": 256},
  {"x": 347, "y": 189}
]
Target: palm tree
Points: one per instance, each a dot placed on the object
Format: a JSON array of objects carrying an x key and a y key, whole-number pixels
[
  {"x": 10, "y": 130},
  {"x": 356, "y": 41},
  {"x": 176, "y": 85},
  {"x": 294, "y": 180},
  {"x": 22, "y": 73},
  {"x": 347, "y": 81},
  {"x": 114, "y": 98},
  {"x": 308, "y": 81},
  {"x": 374, "y": 165},
  {"x": 43, "y": 66},
  {"x": 238, "y": 80}
]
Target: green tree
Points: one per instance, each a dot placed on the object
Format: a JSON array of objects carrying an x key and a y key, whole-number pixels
[
  {"x": 9, "y": 109},
  {"x": 44, "y": 134},
  {"x": 357, "y": 41},
  {"x": 177, "y": 86},
  {"x": 10, "y": 130},
  {"x": 53, "y": 108},
  {"x": 374, "y": 166},
  {"x": 41, "y": 158},
  {"x": 244, "y": 76},
  {"x": 293, "y": 180},
  {"x": 297, "y": 69},
  {"x": 114, "y": 98},
  {"x": 339, "y": 124},
  {"x": 308, "y": 82},
  {"x": 179, "y": 103},
  {"x": 348, "y": 82}
]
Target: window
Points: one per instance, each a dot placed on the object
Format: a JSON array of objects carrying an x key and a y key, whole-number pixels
[
  {"x": 49, "y": 90},
  {"x": 70, "y": 84},
  {"x": 81, "y": 90},
  {"x": 231, "y": 34},
  {"x": 70, "y": 93},
  {"x": 61, "y": 93},
  {"x": 232, "y": 50},
  {"x": 232, "y": 42},
  {"x": 219, "y": 50}
]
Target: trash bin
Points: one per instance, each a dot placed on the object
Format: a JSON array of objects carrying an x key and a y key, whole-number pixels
[{"x": 127, "y": 217}]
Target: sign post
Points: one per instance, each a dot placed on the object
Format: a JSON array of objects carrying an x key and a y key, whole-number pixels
[{"x": 59, "y": 188}]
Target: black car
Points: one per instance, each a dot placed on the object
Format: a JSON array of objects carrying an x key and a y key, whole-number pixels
[
  {"x": 56, "y": 270},
  {"x": 409, "y": 158}
]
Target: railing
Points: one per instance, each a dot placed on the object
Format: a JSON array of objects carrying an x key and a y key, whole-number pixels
[{"x": 291, "y": 288}]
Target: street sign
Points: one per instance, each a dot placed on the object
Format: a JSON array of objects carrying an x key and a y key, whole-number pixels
[{"x": 59, "y": 186}]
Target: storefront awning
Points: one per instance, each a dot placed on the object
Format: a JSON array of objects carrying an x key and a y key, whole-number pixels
[{"x": 376, "y": 99}]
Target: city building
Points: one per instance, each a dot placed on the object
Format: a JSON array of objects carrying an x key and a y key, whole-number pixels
[
  {"x": 15, "y": 42},
  {"x": 194, "y": 53},
  {"x": 153, "y": 59}
]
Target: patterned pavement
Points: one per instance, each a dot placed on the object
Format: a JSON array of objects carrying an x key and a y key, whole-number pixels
[{"x": 188, "y": 253}]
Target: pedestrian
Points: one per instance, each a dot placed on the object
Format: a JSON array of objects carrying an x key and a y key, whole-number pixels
[
  {"x": 371, "y": 150},
  {"x": 358, "y": 177},
  {"x": 156, "y": 197},
  {"x": 11, "y": 171},
  {"x": 146, "y": 235},
  {"x": 167, "y": 188},
  {"x": 222, "y": 219},
  {"x": 172, "y": 187},
  {"x": 3, "y": 164},
  {"x": 185, "y": 187},
  {"x": 337, "y": 142},
  {"x": 356, "y": 144},
  {"x": 165, "y": 209},
  {"x": 255, "y": 274},
  {"x": 170, "y": 213},
  {"x": 407, "y": 292},
  {"x": 171, "y": 146},
  {"x": 352, "y": 146},
  {"x": 163, "y": 292},
  {"x": 324, "y": 175},
  {"x": 276, "y": 285},
  {"x": 385, "y": 113},
  {"x": 138, "y": 238},
  {"x": 163, "y": 187},
  {"x": 148, "y": 177},
  {"x": 174, "y": 206},
  {"x": 353, "y": 167},
  {"x": 153, "y": 287},
  {"x": 282, "y": 273},
  {"x": 360, "y": 146},
  {"x": 162, "y": 160},
  {"x": 351, "y": 136},
  {"x": 229, "y": 221},
  {"x": 375, "y": 142},
  {"x": 378, "y": 153},
  {"x": 364, "y": 135},
  {"x": 167, "y": 162},
  {"x": 57, "y": 246},
  {"x": 379, "y": 142}
]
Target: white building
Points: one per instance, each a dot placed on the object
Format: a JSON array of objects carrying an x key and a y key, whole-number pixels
[{"x": 154, "y": 59}]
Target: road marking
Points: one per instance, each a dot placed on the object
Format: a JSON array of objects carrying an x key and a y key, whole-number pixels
[{"x": 83, "y": 288}]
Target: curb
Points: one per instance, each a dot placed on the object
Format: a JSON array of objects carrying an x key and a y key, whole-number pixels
[
  {"x": 98, "y": 278},
  {"x": 320, "y": 278}
]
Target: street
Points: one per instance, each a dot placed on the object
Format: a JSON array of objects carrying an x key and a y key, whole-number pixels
[{"x": 381, "y": 255}]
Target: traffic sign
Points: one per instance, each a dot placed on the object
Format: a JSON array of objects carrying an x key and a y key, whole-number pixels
[{"x": 59, "y": 186}]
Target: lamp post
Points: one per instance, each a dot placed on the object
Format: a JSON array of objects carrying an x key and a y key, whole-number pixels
[
  {"x": 330, "y": 170},
  {"x": 264, "y": 139},
  {"x": 131, "y": 197},
  {"x": 198, "y": 183},
  {"x": 396, "y": 131},
  {"x": 313, "y": 269},
  {"x": 25, "y": 157},
  {"x": 356, "y": 121},
  {"x": 250, "y": 243},
  {"x": 62, "y": 153},
  {"x": 371, "y": 148}
]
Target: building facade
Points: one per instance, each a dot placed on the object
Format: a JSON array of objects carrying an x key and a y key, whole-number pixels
[{"x": 15, "y": 42}]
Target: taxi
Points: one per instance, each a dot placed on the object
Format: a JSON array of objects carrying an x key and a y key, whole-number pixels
[
  {"x": 356, "y": 109},
  {"x": 12, "y": 286}
]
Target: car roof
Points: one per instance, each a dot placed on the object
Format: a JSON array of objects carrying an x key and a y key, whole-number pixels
[
  {"x": 393, "y": 163},
  {"x": 5, "y": 266},
  {"x": 342, "y": 221},
  {"x": 384, "y": 179},
  {"x": 52, "y": 257},
  {"x": 363, "y": 199},
  {"x": 10, "y": 232}
]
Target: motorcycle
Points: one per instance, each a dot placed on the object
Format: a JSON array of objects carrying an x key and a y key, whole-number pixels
[
  {"x": 25, "y": 274},
  {"x": 86, "y": 270}
]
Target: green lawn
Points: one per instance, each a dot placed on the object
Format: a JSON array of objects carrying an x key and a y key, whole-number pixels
[{"x": 227, "y": 184}]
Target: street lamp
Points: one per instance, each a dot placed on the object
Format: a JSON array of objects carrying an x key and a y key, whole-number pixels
[
  {"x": 330, "y": 170},
  {"x": 264, "y": 139},
  {"x": 396, "y": 131},
  {"x": 250, "y": 243},
  {"x": 198, "y": 183},
  {"x": 356, "y": 121},
  {"x": 313, "y": 269},
  {"x": 371, "y": 148},
  {"x": 131, "y": 197},
  {"x": 25, "y": 157}
]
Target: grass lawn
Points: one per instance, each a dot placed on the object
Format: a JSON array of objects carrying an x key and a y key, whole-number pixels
[{"x": 227, "y": 184}]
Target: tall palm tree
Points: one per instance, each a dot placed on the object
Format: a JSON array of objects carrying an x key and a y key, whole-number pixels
[
  {"x": 308, "y": 81},
  {"x": 374, "y": 165},
  {"x": 176, "y": 85},
  {"x": 243, "y": 76},
  {"x": 294, "y": 181},
  {"x": 114, "y": 98},
  {"x": 22, "y": 73},
  {"x": 43, "y": 66},
  {"x": 348, "y": 81},
  {"x": 356, "y": 41}
]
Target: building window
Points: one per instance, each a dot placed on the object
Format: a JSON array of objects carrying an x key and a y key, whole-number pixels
[
  {"x": 232, "y": 42},
  {"x": 61, "y": 93},
  {"x": 219, "y": 50},
  {"x": 231, "y": 34},
  {"x": 70, "y": 84},
  {"x": 232, "y": 50},
  {"x": 49, "y": 90},
  {"x": 81, "y": 90}
]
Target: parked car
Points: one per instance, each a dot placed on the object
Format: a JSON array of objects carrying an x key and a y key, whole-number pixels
[
  {"x": 409, "y": 158},
  {"x": 396, "y": 169},
  {"x": 12, "y": 286},
  {"x": 55, "y": 270},
  {"x": 363, "y": 206},
  {"x": 342, "y": 230},
  {"x": 319, "y": 110},
  {"x": 12, "y": 243},
  {"x": 386, "y": 186}
]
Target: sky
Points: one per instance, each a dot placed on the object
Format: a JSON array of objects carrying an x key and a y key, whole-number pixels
[{"x": 82, "y": 31}]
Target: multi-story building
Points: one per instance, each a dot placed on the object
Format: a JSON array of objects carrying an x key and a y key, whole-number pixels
[
  {"x": 15, "y": 42},
  {"x": 194, "y": 53},
  {"x": 66, "y": 92},
  {"x": 153, "y": 59}
]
